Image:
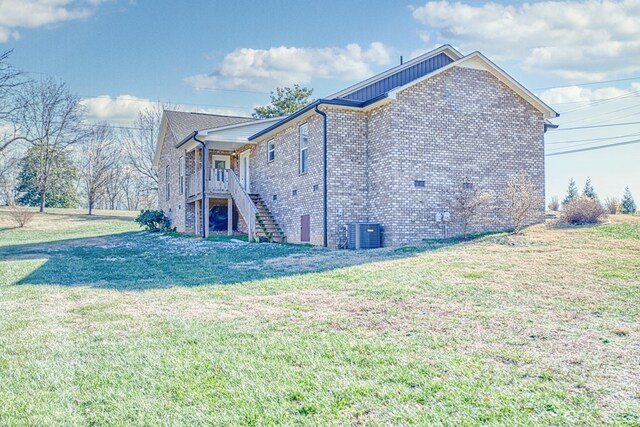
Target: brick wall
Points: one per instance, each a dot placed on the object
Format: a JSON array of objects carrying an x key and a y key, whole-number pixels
[
  {"x": 460, "y": 126},
  {"x": 175, "y": 206},
  {"x": 282, "y": 176}
]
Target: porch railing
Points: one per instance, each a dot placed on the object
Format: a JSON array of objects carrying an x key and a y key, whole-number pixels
[
  {"x": 194, "y": 184},
  {"x": 217, "y": 182},
  {"x": 245, "y": 205}
]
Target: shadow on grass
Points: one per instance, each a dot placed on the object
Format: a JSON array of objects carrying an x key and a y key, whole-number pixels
[{"x": 143, "y": 260}]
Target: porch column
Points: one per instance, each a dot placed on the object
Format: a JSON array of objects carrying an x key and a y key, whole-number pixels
[
  {"x": 229, "y": 216},
  {"x": 205, "y": 221},
  {"x": 205, "y": 199}
]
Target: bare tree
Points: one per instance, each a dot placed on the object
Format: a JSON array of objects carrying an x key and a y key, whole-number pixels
[
  {"x": 469, "y": 200},
  {"x": 9, "y": 162},
  {"x": 98, "y": 163},
  {"x": 521, "y": 200},
  {"x": 612, "y": 205},
  {"x": 115, "y": 187},
  {"x": 140, "y": 144},
  {"x": 554, "y": 204},
  {"x": 11, "y": 80},
  {"x": 51, "y": 119}
]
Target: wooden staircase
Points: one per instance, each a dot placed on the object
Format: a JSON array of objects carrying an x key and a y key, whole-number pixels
[{"x": 266, "y": 226}]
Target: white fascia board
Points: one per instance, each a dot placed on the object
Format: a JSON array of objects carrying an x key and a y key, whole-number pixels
[
  {"x": 238, "y": 140},
  {"x": 446, "y": 49},
  {"x": 478, "y": 61},
  {"x": 243, "y": 124},
  {"x": 323, "y": 107},
  {"x": 283, "y": 127}
]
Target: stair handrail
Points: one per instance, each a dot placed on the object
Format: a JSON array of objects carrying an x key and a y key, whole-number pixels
[{"x": 245, "y": 205}]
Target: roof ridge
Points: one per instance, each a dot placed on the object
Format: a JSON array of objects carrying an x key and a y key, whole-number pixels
[{"x": 210, "y": 114}]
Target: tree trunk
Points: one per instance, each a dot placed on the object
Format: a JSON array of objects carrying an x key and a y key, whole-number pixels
[
  {"x": 90, "y": 204},
  {"x": 43, "y": 194}
]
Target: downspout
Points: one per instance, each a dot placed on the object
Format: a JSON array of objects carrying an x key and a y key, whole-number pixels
[
  {"x": 324, "y": 176},
  {"x": 204, "y": 164}
]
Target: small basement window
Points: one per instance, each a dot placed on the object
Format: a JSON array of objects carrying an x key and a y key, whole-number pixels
[
  {"x": 316, "y": 187},
  {"x": 274, "y": 197},
  {"x": 294, "y": 193},
  {"x": 467, "y": 186},
  {"x": 419, "y": 183}
]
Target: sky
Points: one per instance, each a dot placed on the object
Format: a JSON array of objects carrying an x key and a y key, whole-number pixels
[{"x": 120, "y": 56}]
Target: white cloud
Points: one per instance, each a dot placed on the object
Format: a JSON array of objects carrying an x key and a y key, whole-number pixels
[
  {"x": 573, "y": 40},
  {"x": 123, "y": 110},
  {"x": 16, "y": 14},
  {"x": 577, "y": 94},
  {"x": 265, "y": 69}
]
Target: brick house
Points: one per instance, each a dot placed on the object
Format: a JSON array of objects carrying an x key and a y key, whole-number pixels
[{"x": 391, "y": 149}]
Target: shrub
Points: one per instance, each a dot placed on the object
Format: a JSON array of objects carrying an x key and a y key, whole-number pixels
[
  {"x": 554, "y": 204},
  {"x": 583, "y": 210},
  {"x": 21, "y": 215},
  {"x": 469, "y": 200},
  {"x": 521, "y": 200},
  {"x": 154, "y": 220},
  {"x": 611, "y": 204}
]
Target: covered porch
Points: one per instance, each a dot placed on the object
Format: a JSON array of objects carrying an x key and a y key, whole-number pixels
[{"x": 217, "y": 176}]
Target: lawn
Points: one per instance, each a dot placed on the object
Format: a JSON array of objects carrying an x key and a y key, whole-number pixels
[{"x": 101, "y": 324}]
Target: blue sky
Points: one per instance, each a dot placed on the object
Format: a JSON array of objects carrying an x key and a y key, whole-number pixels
[{"x": 224, "y": 57}]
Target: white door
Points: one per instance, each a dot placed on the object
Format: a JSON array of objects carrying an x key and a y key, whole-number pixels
[
  {"x": 245, "y": 179},
  {"x": 219, "y": 164}
]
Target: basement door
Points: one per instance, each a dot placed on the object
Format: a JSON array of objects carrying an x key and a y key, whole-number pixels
[{"x": 245, "y": 177}]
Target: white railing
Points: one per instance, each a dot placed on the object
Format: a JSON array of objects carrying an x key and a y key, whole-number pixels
[
  {"x": 245, "y": 205},
  {"x": 194, "y": 184},
  {"x": 216, "y": 182}
]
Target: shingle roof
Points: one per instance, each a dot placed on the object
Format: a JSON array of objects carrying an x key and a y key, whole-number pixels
[{"x": 182, "y": 123}]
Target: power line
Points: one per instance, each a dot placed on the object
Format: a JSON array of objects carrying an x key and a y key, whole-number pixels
[
  {"x": 558, "y": 149},
  {"x": 606, "y": 138},
  {"x": 212, "y": 89},
  {"x": 597, "y": 126},
  {"x": 590, "y": 83},
  {"x": 600, "y": 147},
  {"x": 147, "y": 101},
  {"x": 601, "y": 115}
]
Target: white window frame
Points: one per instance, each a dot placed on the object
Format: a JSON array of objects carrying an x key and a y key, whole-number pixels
[
  {"x": 271, "y": 150},
  {"x": 181, "y": 175},
  {"x": 303, "y": 134}
]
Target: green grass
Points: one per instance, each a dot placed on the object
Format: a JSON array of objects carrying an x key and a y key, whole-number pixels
[
  {"x": 620, "y": 231},
  {"x": 105, "y": 325}
]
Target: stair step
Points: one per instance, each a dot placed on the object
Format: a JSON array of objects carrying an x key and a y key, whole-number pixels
[{"x": 266, "y": 225}]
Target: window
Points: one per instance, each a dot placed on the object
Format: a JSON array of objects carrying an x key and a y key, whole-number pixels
[
  {"x": 294, "y": 192},
  {"x": 419, "y": 183},
  {"x": 304, "y": 148},
  {"x": 167, "y": 190},
  {"x": 467, "y": 186},
  {"x": 274, "y": 197},
  {"x": 271, "y": 151},
  {"x": 181, "y": 175},
  {"x": 316, "y": 187}
]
